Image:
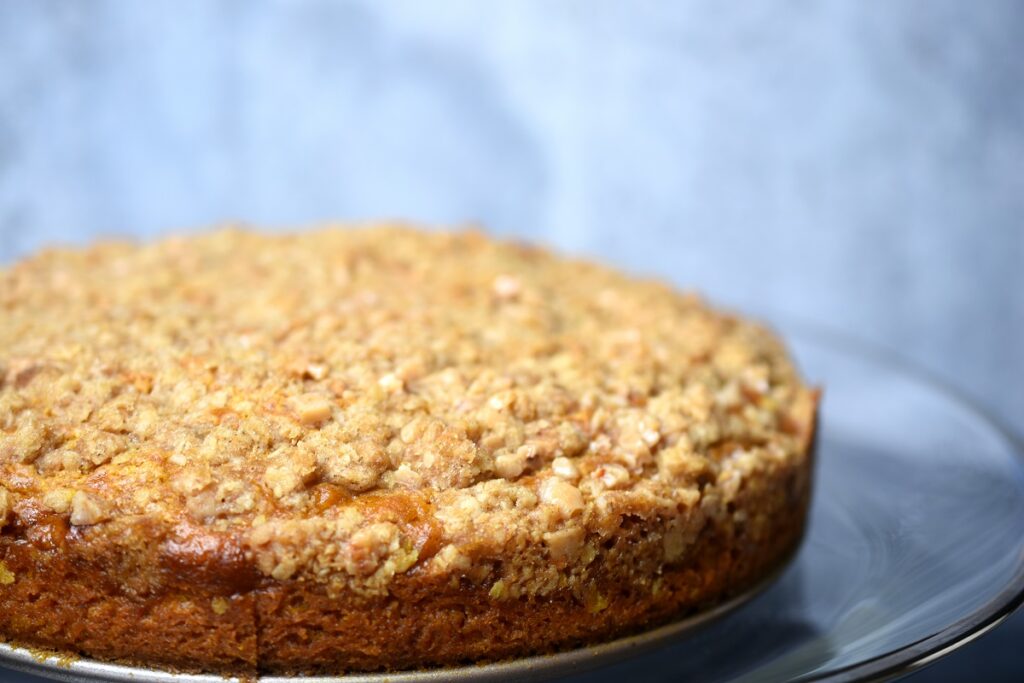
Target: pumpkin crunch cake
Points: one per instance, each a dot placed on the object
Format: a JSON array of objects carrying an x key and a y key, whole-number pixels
[{"x": 377, "y": 448}]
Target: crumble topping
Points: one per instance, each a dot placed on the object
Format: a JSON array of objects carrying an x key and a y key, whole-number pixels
[{"x": 355, "y": 403}]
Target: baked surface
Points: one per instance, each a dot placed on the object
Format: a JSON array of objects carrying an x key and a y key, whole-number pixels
[{"x": 377, "y": 448}]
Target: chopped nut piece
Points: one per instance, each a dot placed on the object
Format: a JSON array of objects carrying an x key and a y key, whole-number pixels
[
  {"x": 564, "y": 544},
  {"x": 595, "y": 601},
  {"x": 87, "y": 510},
  {"x": 681, "y": 464},
  {"x": 413, "y": 430},
  {"x": 498, "y": 590},
  {"x": 285, "y": 569},
  {"x": 391, "y": 383},
  {"x": 317, "y": 371},
  {"x": 565, "y": 468},
  {"x": 219, "y": 605},
  {"x": 612, "y": 476},
  {"x": 502, "y": 400},
  {"x": 409, "y": 371},
  {"x": 310, "y": 409},
  {"x": 651, "y": 437},
  {"x": 511, "y": 465},
  {"x": 5, "y": 506},
  {"x": 563, "y": 495},
  {"x": 407, "y": 477},
  {"x": 507, "y": 287}
]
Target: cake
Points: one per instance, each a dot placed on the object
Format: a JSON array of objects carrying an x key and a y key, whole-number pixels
[{"x": 363, "y": 448}]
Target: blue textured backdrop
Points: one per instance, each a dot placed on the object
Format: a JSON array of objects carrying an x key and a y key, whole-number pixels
[{"x": 860, "y": 164}]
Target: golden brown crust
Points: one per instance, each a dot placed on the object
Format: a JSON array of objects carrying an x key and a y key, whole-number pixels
[{"x": 251, "y": 440}]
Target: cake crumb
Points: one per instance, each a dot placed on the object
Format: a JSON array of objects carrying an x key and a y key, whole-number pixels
[{"x": 6, "y": 575}]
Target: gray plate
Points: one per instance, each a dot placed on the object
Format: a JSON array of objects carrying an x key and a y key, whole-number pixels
[{"x": 916, "y": 546}]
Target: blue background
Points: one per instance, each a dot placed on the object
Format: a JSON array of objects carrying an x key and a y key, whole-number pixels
[{"x": 857, "y": 164}]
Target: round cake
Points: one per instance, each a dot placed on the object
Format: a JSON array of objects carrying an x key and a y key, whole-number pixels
[{"x": 377, "y": 448}]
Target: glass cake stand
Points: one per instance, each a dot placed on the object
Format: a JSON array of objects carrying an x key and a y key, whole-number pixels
[{"x": 915, "y": 547}]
